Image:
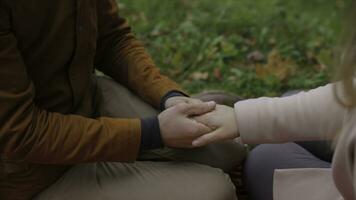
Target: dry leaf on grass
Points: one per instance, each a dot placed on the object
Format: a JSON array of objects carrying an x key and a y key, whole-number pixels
[
  {"x": 199, "y": 76},
  {"x": 217, "y": 74},
  {"x": 276, "y": 66},
  {"x": 255, "y": 56}
]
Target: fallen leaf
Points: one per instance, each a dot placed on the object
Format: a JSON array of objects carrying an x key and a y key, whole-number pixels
[
  {"x": 324, "y": 59},
  {"x": 255, "y": 56},
  {"x": 276, "y": 66},
  {"x": 272, "y": 41},
  {"x": 217, "y": 74},
  {"x": 197, "y": 76}
]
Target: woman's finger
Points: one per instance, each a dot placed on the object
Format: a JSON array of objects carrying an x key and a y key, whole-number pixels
[{"x": 206, "y": 139}]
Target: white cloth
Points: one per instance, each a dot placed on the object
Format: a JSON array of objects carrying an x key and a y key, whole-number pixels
[
  {"x": 297, "y": 184},
  {"x": 312, "y": 115}
]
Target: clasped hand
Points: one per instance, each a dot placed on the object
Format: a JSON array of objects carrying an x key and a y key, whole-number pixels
[{"x": 189, "y": 123}]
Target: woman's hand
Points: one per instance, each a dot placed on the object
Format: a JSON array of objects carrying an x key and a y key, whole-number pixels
[{"x": 223, "y": 121}]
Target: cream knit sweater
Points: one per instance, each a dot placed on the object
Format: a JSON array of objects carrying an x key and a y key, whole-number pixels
[{"x": 312, "y": 115}]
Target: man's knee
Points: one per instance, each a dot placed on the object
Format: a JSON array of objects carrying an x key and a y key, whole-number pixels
[
  {"x": 227, "y": 155},
  {"x": 217, "y": 186},
  {"x": 114, "y": 100}
]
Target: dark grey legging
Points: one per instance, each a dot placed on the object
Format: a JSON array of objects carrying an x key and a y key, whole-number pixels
[{"x": 264, "y": 159}]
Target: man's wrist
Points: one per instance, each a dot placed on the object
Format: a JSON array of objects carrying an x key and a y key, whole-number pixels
[
  {"x": 170, "y": 94},
  {"x": 150, "y": 134}
]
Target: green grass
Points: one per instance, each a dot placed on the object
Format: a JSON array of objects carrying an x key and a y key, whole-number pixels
[{"x": 204, "y": 44}]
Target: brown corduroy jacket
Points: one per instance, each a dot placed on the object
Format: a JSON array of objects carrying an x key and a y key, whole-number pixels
[{"x": 48, "y": 51}]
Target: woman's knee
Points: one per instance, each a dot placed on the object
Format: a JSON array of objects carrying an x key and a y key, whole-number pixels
[
  {"x": 258, "y": 172},
  {"x": 264, "y": 159}
]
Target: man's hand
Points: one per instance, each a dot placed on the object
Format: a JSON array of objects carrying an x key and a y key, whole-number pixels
[
  {"x": 180, "y": 99},
  {"x": 178, "y": 129},
  {"x": 223, "y": 121}
]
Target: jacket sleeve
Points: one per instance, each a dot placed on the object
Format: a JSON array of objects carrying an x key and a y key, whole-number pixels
[
  {"x": 121, "y": 56},
  {"x": 31, "y": 134},
  {"x": 312, "y": 115}
]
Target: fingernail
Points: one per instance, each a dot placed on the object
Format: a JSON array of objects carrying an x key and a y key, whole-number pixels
[
  {"x": 211, "y": 102},
  {"x": 195, "y": 143}
]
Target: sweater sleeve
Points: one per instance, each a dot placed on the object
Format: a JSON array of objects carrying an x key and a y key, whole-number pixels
[
  {"x": 312, "y": 115},
  {"x": 32, "y": 134},
  {"x": 121, "y": 56}
]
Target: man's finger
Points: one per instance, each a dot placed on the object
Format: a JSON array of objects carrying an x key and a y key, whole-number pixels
[
  {"x": 199, "y": 109},
  {"x": 206, "y": 139},
  {"x": 194, "y": 101}
]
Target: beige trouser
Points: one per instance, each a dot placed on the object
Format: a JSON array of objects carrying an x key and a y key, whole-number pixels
[{"x": 167, "y": 174}]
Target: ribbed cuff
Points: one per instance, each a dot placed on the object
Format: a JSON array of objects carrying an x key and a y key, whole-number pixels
[
  {"x": 169, "y": 95},
  {"x": 150, "y": 134}
]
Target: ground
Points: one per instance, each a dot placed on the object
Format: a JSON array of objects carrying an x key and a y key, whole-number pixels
[{"x": 250, "y": 48}]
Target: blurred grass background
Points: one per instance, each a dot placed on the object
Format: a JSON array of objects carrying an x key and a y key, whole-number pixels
[{"x": 250, "y": 48}]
